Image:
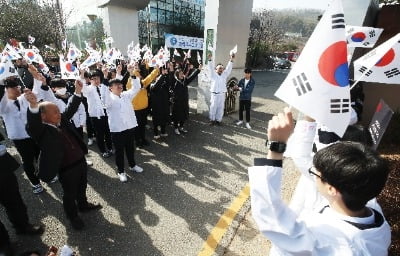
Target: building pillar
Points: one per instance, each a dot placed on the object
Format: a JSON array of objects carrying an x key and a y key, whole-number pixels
[{"x": 226, "y": 24}]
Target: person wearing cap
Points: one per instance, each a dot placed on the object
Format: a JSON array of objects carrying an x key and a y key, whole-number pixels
[
  {"x": 245, "y": 86},
  {"x": 11, "y": 199},
  {"x": 59, "y": 141},
  {"x": 97, "y": 112},
  {"x": 122, "y": 121},
  {"x": 13, "y": 108},
  {"x": 219, "y": 76}
]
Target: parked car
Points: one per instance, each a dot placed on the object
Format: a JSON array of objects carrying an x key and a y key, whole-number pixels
[{"x": 282, "y": 64}]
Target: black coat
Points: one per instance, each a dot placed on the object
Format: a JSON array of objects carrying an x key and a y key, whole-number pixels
[
  {"x": 180, "y": 91},
  {"x": 159, "y": 95},
  {"x": 50, "y": 140}
]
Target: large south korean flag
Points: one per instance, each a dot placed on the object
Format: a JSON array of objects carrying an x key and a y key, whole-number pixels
[
  {"x": 318, "y": 84},
  {"x": 380, "y": 65}
]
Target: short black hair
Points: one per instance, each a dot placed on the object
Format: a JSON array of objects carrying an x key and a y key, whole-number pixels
[
  {"x": 247, "y": 70},
  {"x": 58, "y": 83},
  {"x": 95, "y": 73},
  {"x": 354, "y": 169},
  {"x": 114, "y": 81},
  {"x": 11, "y": 83}
]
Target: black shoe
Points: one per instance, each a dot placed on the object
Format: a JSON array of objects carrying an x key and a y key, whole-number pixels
[
  {"x": 212, "y": 123},
  {"x": 218, "y": 123},
  {"x": 77, "y": 223},
  {"x": 90, "y": 207},
  {"x": 31, "y": 230}
]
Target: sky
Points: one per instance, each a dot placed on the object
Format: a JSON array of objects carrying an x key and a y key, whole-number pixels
[{"x": 294, "y": 4}]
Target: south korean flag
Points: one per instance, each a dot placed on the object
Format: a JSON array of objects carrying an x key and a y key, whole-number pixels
[
  {"x": 318, "y": 84},
  {"x": 381, "y": 65},
  {"x": 364, "y": 37}
]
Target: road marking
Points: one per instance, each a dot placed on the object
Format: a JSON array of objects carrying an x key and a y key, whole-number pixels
[{"x": 224, "y": 222}]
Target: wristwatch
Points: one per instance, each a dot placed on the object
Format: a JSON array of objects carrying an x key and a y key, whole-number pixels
[{"x": 276, "y": 146}]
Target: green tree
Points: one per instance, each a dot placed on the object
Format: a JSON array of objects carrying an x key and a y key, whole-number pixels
[
  {"x": 90, "y": 32},
  {"x": 43, "y": 20}
]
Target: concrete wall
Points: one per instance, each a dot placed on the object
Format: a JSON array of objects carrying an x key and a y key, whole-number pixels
[
  {"x": 122, "y": 24},
  {"x": 230, "y": 20}
]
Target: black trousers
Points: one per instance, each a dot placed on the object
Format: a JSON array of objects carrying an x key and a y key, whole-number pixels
[
  {"x": 4, "y": 241},
  {"x": 140, "y": 130},
  {"x": 103, "y": 135},
  {"x": 163, "y": 126},
  {"x": 89, "y": 125},
  {"x": 74, "y": 182},
  {"x": 244, "y": 105},
  {"x": 178, "y": 124},
  {"x": 12, "y": 201},
  {"x": 29, "y": 152},
  {"x": 124, "y": 142}
]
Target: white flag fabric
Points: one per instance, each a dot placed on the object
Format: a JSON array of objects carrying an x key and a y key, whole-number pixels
[
  {"x": 176, "y": 53},
  {"x": 31, "y": 55},
  {"x": 318, "y": 84},
  {"x": 108, "y": 41},
  {"x": 42, "y": 65},
  {"x": 380, "y": 65},
  {"x": 188, "y": 54},
  {"x": 64, "y": 44},
  {"x": 7, "y": 69},
  {"x": 233, "y": 51},
  {"x": 68, "y": 70},
  {"x": 148, "y": 56},
  {"x": 198, "y": 58},
  {"x": 31, "y": 39},
  {"x": 365, "y": 37},
  {"x": 11, "y": 53},
  {"x": 93, "y": 58},
  {"x": 73, "y": 53}
]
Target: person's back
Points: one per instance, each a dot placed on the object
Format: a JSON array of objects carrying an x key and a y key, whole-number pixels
[{"x": 348, "y": 175}]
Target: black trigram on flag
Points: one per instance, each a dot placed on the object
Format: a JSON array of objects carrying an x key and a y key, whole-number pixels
[
  {"x": 11, "y": 70},
  {"x": 372, "y": 33},
  {"x": 338, "y": 21},
  {"x": 391, "y": 73},
  {"x": 363, "y": 69},
  {"x": 302, "y": 85},
  {"x": 340, "y": 106}
]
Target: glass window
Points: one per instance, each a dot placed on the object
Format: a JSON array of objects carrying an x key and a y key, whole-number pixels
[
  {"x": 169, "y": 7},
  {"x": 153, "y": 14},
  {"x": 169, "y": 18},
  {"x": 153, "y": 3},
  {"x": 161, "y": 16}
]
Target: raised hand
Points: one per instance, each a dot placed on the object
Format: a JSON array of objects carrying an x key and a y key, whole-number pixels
[
  {"x": 78, "y": 86},
  {"x": 31, "y": 98},
  {"x": 281, "y": 126}
]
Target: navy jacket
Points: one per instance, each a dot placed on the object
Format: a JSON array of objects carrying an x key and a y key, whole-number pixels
[{"x": 246, "y": 92}]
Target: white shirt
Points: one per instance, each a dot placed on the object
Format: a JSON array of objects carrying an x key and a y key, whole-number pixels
[
  {"x": 218, "y": 82},
  {"x": 95, "y": 105},
  {"x": 15, "y": 120},
  {"x": 308, "y": 233},
  {"x": 121, "y": 115}
]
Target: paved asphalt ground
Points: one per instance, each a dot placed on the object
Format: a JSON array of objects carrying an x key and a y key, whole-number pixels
[{"x": 169, "y": 209}]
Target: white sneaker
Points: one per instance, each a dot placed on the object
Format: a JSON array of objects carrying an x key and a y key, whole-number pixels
[
  {"x": 239, "y": 122},
  {"x": 122, "y": 177},
  {"x": 89, "y": 163},
  {"x": 248, "y": 126},
  {"x": 164, "y": 134},
  {"x": 136, "y": 168},
  {"x": 157, "y": 137},
  {"x": 90, "y": 142},
  {"x": 181, "y": 129},
  {"x": 177, "y": 131}
]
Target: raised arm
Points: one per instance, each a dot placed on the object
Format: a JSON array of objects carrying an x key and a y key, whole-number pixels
[{"x": 71, "y": 109}]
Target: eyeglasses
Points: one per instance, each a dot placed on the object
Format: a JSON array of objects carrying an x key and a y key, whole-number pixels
[{"x": 312, "y": 172}]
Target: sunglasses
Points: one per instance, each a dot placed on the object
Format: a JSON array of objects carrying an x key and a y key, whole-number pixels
[{"x": 312, "y": 172}]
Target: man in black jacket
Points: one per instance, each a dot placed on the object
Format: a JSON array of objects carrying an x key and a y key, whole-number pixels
[
  {"x": 12, "y": 201},
  {"x": 62, "y": 152}
]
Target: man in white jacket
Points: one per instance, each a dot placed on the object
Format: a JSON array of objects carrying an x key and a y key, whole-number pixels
[
  {"x": 347, "y": 174},
  {"x": 218, "y": 75}
]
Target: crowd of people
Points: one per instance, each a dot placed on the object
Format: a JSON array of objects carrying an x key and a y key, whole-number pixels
[{"x": 46, "y": 116}]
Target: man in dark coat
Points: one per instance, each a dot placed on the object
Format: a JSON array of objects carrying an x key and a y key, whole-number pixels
[
  {"x": 62, "y": 152},
  {"x": 180, "y": 105},
  {"x": 12, "y": 201}
]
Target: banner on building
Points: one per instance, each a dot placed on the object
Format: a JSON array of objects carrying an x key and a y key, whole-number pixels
[{"x": 183, "y": 42}]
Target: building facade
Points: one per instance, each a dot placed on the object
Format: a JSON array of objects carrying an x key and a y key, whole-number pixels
[{"x": 180, "y": 17}]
